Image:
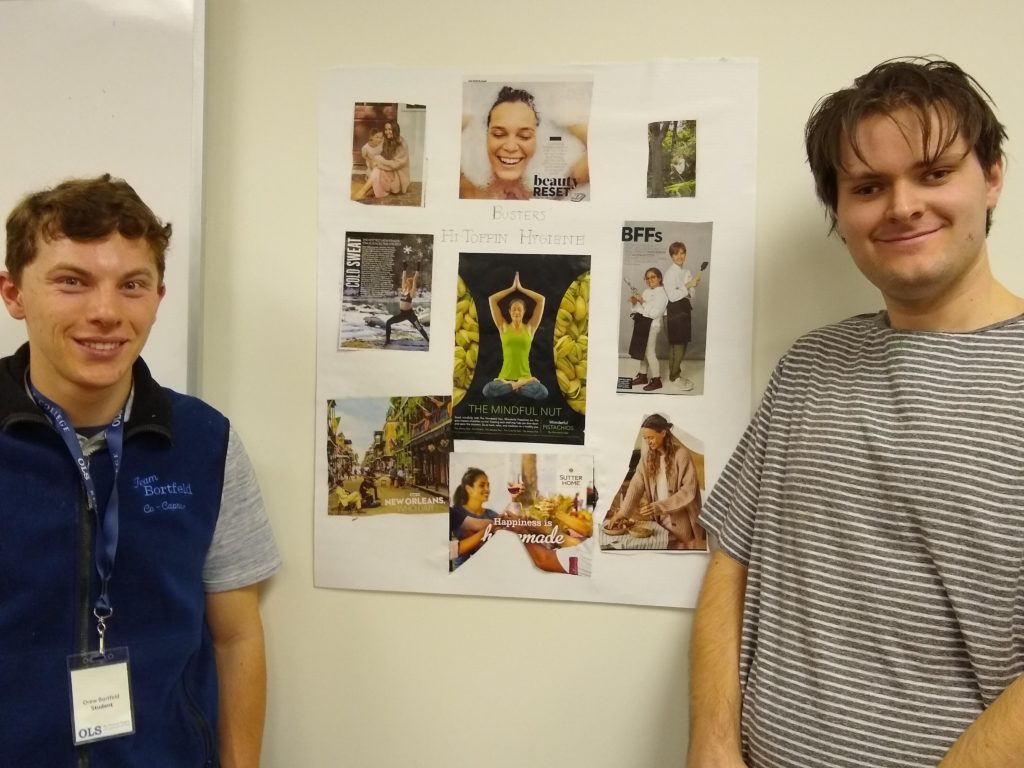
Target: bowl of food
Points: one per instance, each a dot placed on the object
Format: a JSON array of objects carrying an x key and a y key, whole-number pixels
[
  {"x": 618, "y": 526},
  {"x": 641, "y": 530}
]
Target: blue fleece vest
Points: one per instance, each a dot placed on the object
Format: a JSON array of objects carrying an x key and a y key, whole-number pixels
[{"x": 170, "y": 489}]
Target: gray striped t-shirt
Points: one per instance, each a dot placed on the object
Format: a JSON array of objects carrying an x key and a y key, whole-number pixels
[{"x": 876, "y": 499}]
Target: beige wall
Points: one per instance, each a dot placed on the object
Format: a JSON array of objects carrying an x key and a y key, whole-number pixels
[{"x": 376, "y": 679}]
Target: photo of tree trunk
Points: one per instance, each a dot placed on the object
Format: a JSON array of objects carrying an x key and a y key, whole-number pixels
[{"x": 672, "y": 158}]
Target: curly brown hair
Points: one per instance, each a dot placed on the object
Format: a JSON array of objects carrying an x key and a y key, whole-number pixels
[
  {"x": 82, "y": 210},
  {"x": 924, "y": 86}
]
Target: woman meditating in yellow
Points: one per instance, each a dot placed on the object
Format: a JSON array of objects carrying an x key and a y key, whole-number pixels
[{"x": 516, "y": 334}]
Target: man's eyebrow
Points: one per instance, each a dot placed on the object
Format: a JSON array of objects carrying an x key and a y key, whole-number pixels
[
  {"x": 866, "y": 172},
  {"x": 140, "y": 272},
  {"x": 948, "y": 155},
  {"x": 844, "y": 174},
  {"x": 67, "y": 266},
  {"x": 75, "y": 269}
]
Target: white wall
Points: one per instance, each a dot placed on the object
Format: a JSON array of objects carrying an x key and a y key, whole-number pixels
[
  {"x": 389, "y": 680},
  {"x": 111, "y": 87}
]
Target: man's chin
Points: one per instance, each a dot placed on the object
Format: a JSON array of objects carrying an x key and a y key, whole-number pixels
[{"x": 101, "y": 378}]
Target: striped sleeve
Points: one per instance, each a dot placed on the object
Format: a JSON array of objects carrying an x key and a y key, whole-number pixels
[{"x": 731, "y": 508}]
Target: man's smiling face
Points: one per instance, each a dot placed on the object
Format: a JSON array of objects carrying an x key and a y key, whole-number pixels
[
  {"x": 88, "y": 308},
  {"x": 914, "y": 220}
]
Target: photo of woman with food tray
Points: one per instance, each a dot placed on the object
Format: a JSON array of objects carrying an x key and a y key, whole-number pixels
[{"x": 658, "y": 503}]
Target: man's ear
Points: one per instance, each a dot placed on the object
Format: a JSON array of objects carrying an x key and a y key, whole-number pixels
[
  {"x": 11, "y": 294},
  {"x": 994, "y": 177}
]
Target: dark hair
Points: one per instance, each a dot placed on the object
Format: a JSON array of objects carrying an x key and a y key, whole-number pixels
[
  {"x": 677, "y": 246},
  {"x": 469, "y": 477},
  {"x": 82, "y": 210},
  {"x": 510, "y": 95},
  {"x": 656, "y": 271},
  {"x": 505, "y": 305},
  {"x": 924, "y": 86},
  {"x": 391, "y": 145}
]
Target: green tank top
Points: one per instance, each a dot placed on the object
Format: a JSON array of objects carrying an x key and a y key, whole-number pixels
[{"x": 515, "y": 349}]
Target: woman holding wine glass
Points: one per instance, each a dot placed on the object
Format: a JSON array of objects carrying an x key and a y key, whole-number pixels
[
  {"x": 515, "y": 487},
  {"x": 469, "y": 521}
]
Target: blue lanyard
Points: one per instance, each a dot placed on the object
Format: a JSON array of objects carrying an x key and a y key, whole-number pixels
[{"x": 106, "y": 524}]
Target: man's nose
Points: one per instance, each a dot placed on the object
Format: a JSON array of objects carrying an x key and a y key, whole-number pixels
[
  {"x": 104, "y": 305},
  {"x": 905, "y": 201}
]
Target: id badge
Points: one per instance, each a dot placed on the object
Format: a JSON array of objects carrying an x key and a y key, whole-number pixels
[{"x": 101, "y": 697}]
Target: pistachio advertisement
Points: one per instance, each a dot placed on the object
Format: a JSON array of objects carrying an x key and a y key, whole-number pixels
[{"x": 520, "y": 361}]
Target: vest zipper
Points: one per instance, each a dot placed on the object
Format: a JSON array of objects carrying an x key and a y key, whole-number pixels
[
  {"x": 202, "y": 726},
  {"x": 83, "y": 622}
]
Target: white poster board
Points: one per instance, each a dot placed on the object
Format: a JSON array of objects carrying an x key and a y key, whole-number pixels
[{"x": 599, "y": 225}]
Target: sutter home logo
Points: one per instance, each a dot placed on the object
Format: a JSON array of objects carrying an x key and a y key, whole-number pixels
[{"x": 161, "y": 496}]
